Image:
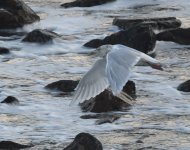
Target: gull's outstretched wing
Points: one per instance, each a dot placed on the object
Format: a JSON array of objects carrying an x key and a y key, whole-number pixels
[
  {"x": 93, "y": 82},
  {"x": 120, "y": 61}
]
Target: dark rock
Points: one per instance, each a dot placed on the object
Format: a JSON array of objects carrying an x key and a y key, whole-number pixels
[
  {"x": 139, "y": 141},
  {"x": 9, "y": 145},
  {"x": 4, "y": 50},
  {"x": 130, "y": 89},
  {"x": 10, "y": 100},
  {"x": 85, "y": 3},
  {"x": 63, "y": 85},
  {"x": 40, "y": 36},
  {"x": 180, "y": 36},
  {"x": 85, "y": 141},
  {"x": 139, "y": 37},
  {"x": 144, "y": 8},
  {"x": 106, "y": 101},
  {"x": 15, "y": 13},
  {"x": 155, "y": 23},
  {"x": 185, "y": 86},
  {"x": 166, "y": 9}
]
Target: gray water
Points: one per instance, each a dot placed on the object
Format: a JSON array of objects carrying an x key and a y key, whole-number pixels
[{"x": 160, "y": 117}]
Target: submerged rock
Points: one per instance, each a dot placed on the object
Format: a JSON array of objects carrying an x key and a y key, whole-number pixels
[
  {"x": 4, "y": 50},
  {"x": 9, "y": 145},
  {"x": 155, "y": 23},
  {"x": 40, "y": 36},
  {"x": 85, "y": 3},
  {"x": 85, "y": 141},
  {"x": 106, "y": 101},
  {"x": 63, "y": 85},
  {"x": 180, "y": 36},
  {"x": 10, "y": 100},
  {"x": 15, "y": 13},
  {"x": 13, "y": 33},
  {"x": 185, "y": 86},
  {"x": 102, "y": 118},
  {"x": 139, "y": 37}
]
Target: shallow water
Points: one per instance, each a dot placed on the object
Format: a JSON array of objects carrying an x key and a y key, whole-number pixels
[{"x": 160, "y": 117}]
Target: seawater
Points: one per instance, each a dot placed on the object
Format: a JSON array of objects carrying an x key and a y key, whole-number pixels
[{"x": 160, "y": 116}]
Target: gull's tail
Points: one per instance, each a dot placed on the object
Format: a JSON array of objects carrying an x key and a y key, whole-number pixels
[{"x": 126, "y": 98}]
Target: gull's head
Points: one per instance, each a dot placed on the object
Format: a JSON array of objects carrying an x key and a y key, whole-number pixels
[{"x": 101, "y": 51}]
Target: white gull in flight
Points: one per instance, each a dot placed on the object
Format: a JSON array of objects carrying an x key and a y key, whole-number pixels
[{"x": 111, "y": 71}]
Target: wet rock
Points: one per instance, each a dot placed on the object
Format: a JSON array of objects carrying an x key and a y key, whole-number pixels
[
  {"x": 139, "y": 141},
  {"x": 139, "y": 37},
  {"x": 85, "y": 3},
  {"x": 185, "y": 86},
  {"x": 155, "y": 23},
  {"x": 130, "y": 89},
  {"x": 106, "y": 101},
  {"x": 40, "y": 36},
  {"x": 102, "y": 118},
  {"x": 63, "y": 85},
  {"x": 85, "y": 141},
  {"x": 109, "y": 119},
  {"x": 15, "y": 13},
  {"x": 10, "y": 100},
  {"x": 153, "y": 7},
  {"x": 4, "y": 50},
  {"x": 180, "y": 36},
  {"x": 9, "y": 145}
]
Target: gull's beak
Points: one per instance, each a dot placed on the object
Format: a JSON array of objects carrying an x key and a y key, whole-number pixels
[{"x": 157, "y": 66}]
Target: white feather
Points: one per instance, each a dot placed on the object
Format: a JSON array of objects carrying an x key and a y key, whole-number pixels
[{"x": 91, "y": 82}]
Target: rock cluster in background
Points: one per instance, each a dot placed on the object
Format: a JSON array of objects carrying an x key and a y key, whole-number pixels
[
  {"x": 15, "y": 13},
  {"x": 155, "y": 23},
  {"x": 139, "y": 37}
]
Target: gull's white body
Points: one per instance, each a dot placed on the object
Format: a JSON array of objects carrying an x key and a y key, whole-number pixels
[{"x": 112, "y": 70}]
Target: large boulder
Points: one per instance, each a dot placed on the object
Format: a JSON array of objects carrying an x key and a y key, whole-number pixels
[
  {"x": 40, "y": 36},
  {"x": 180, "y": 36},
  {"x": 85, "y": 3},
  {"x": 155, "y": 23},
  {"x": 106, "y": 101},
  {"x": 9, "y": 145},
  {"x": 185, "y": 86},
  {"x": 63, "y": 85},
  {"x": 15, "y": 13},
  {"x": 139, "y": 37},
  {"x": 85, "y": 141}
]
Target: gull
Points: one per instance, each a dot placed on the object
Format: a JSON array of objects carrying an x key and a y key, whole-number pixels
[{"x": 111, "y": 71}]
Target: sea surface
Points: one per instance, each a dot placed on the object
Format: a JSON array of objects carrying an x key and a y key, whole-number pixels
[{"x": 161, "y": 115}]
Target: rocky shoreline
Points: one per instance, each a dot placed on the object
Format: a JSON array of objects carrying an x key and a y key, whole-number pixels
[{"x": 140, "y": 34}]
